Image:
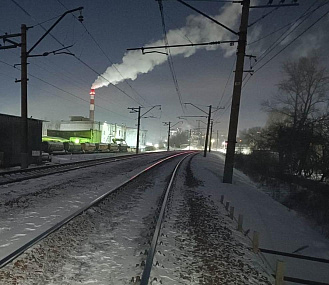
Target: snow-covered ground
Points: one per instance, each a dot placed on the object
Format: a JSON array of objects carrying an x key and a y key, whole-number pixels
[
  {"x": 31, "y": 206},
  {"x": 280, "y": 229},
  {"x": 199, "y": 244},
  {"x": 105, "y": 245}
]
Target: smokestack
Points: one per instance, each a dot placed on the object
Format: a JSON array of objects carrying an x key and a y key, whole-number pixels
[{"x": 92, "y": 105}]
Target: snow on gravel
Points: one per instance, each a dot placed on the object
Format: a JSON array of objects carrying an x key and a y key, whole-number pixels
[
  {"x": 105, "y": 245},
  {"x": 30, "y": 207},
  {"x": 26, "y": 211},
  {"x": 280, "y": 229},
  {"x": 199, "y": 244}
]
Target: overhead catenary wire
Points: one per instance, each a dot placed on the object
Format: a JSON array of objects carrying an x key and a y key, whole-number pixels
[
  {"x": 305, "y": 14},
  {"x": 263, "y": 17},
  {"x": 78, "y": 58},
  {"x": 106, "y": 55},
  {"x": 226, "y": 84},
  {"x": 169, "y": 57},
  {"x": 290, "y": 43},
  {"x": 64, "y": 91},
  {"x": 284, "y": 35}
]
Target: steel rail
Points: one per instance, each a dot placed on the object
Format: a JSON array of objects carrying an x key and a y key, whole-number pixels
[
  {"x": 10, "y": 172},
  {"x": 65, "y": 167},
  {"x": 10, "y": 257},
  {"x": 150, "y": 256},
  {"x": 294, "y": 255}
]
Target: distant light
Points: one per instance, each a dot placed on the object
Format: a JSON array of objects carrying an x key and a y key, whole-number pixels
[
  {"x": 76, "y": 141},
  {"x": 213, "y": 140}
]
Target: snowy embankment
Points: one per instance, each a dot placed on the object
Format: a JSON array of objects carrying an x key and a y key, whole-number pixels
[
  {"x": 105, "y": 245},
  {"x": 280, "y": 229},
  {"x": 199, "y": 244},
  {"x": 108, "y": 244},
  {"x": 30, "y": 207}
]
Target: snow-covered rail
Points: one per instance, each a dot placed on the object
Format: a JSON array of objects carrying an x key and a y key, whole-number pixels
[
  {"x": 151, "y": 252},
  {"x": 13, "y": 176},
  {"x": 10, "y": 257}
]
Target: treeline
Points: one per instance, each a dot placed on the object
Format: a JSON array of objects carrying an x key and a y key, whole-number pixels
[
  {"x": 298, "y": 123},
  {"x": 293, "y": 147}
]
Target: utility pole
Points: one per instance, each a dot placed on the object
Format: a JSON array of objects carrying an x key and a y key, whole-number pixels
[
  {"x": 25, "y": 54},
  {"x": 168, "y": 136},
  {"x": 211, "y": 125},
  {"x": 207, "y": 134},
  {"x": 229, "y": 160},
  {"x": 199, "y": 132},
  {"x": 189, "y": 142},
  {"x": 235, "y": 106},
  {"x": 138, "y": 128},
  {"x": 24, "y": 131},
  {"x": 138, "y": 110},
  {"x": 208, "y": 124},
  {"x": 169, "y": 128},
  {"x": 217, "y": 141}
]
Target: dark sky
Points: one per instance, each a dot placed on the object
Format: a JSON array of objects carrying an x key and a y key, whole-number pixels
[{"x": 202, "y": 74}]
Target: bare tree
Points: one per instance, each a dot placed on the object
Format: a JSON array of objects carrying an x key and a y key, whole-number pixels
[
  {"x": 302, "y": 96},
  {"x": 302, "y": 102}
]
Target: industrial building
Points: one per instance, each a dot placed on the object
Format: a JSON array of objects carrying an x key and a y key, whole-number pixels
[{"x": 79, "y": 128}]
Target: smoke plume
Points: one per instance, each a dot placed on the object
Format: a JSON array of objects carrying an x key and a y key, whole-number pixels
[{"x": 198, "y": 29}]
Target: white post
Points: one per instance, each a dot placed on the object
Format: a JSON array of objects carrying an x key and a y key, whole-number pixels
[
  {"x": 232, "y": 212},
  {"x": 279, "y": 273},
  {"x": 227, "y": 205},
  {"x": 255, "y": 242},
  {"x": 240, "y": 222}
]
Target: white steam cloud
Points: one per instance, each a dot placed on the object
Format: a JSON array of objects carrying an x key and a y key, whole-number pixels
[{"x": 198, "y": 29}]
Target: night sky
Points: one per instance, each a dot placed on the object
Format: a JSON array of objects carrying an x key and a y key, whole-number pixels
[{"x": 59, "y": 85}]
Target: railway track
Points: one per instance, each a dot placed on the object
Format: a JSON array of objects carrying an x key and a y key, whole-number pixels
[
  {"x": 12, "y": 176},
  {"x": 157, "y": 227},
  {"x": 93, "y": 206}
]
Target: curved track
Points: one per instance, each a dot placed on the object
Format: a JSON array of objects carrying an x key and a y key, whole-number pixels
[
  {"x": 13, "y": 176},
  {"x": 10, "y": 257}
]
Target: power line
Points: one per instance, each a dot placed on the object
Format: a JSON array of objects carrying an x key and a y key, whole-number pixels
[
  {"x": 304, "y": 15},
  {"x": 290, "y": 43},
  {"x": 263, "y": 17},
  {"x": 62, "y": 90},
  {"x": 108, "y": 58},
  {"x": 309, "y": 27},
  {"x": 282, "y": 37},
  {"x": 79, "y": 59},
  {"x": 170, "y": 61},
  {"x": 228, "y": 79}
]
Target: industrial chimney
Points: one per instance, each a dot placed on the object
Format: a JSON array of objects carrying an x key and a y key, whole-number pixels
[{"x": 92, "y": 105}]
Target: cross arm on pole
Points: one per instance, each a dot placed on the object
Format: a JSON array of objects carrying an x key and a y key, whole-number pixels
[
  {"x": 205, "y": 15},
  {"x": 48, "y": 31},
  {"x": 151, "y": 109},
  {"x": 196, "y": 107},
  {"x": 182, "y": 117},
  {"x": 180, "y": 122}
]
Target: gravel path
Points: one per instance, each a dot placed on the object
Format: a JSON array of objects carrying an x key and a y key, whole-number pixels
[{"x": 200, "y": 240}]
